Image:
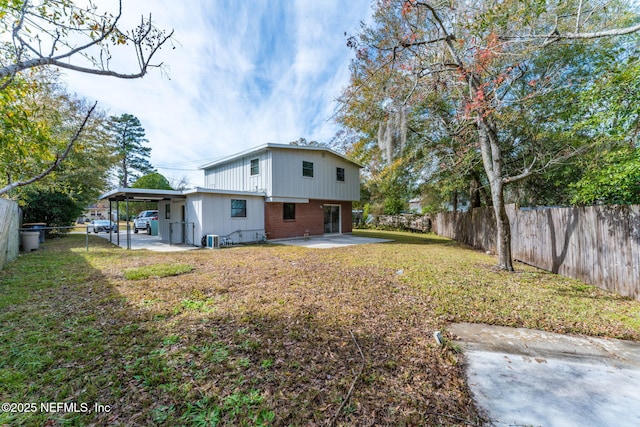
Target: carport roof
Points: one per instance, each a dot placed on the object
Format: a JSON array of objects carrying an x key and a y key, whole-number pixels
[
  {"x": 140, "y": 194},
  {"x": 151, "y": 195}
]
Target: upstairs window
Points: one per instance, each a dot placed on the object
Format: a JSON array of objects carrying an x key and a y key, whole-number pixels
[
  {"x": 238, "y": 208},
  {"x": 255, "y": 166},
  {"x": 288, "y": 211},
  {"x": 307, "y": 169},
  {"x": 340, "y": 174}
]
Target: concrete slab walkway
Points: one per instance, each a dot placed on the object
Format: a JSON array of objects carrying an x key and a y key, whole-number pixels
[
  {"x": 332, "y": 241},
  {"x": 524, "y": 377},
  {"x": 153, "y": 243}
]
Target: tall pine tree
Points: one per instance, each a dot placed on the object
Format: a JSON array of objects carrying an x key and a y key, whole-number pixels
[{"x": 129, "y": 138}]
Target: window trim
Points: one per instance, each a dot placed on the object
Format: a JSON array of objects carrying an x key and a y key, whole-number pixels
[
  {"x": 307, "y": 167},
  {"x": 284, "y": 212},
  {"x": 257, "y": 167},
  {"x": 237, "y": 212}
]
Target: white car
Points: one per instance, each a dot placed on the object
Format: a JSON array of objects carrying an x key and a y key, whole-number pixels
[
  {"x": 103, "y": 225},
  {"x": 142, "y": 221}
]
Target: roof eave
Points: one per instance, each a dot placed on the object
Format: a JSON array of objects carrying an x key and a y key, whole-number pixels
[{"x": 273, "y": 145}]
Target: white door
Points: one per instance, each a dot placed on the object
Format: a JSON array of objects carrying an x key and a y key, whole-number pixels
[{"x": 177, "y": 224}]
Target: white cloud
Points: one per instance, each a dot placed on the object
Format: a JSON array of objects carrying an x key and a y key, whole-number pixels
[{"x": 242, "y": 73}]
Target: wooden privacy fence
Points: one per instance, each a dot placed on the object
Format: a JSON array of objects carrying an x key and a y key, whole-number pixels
[
  {"x": 599, "y": 245},
  {"x": 9, "y": 235}
]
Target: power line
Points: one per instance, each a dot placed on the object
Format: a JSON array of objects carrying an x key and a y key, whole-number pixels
[{"x": 176, "y": 169}]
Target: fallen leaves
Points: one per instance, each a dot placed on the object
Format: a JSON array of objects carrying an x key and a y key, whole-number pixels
[{"x": 287, "y": 335}]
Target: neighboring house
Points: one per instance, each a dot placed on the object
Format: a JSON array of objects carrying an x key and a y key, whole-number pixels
[
  {"x": 415, "y": 206},
  {"x": 99, "y": 210},
  {"x": 273, "y": 191}
]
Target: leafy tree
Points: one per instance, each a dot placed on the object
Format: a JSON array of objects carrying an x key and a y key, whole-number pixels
[
  {"x": 54, "y": 208},
  {"x": 128, "y": 139},
  {"x": 470, "y": 74},
  {"x": 153, "y": 181},
  {"x": 39, "y": 126},
  {"x": 611, "y": 172},
  {"x": 616, "y": 180},
  {"x": 64, "y": 35},
  {"x": 84, "y": 173}
]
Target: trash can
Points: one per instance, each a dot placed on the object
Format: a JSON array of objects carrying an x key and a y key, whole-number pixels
[
  {"x": 154, "y": 227},
  {"x": 29, "y": 240},
  {"x": 40, "y": 226}
]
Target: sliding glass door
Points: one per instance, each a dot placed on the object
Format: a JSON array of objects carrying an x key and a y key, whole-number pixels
[{"x": 331, "y": 219}]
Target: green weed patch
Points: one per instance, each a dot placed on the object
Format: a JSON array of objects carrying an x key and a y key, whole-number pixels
[{"x": 156, "y": 271}]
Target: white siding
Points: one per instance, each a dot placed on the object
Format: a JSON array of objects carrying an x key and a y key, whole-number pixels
[
  {"x": 289, "y": 182},
  {"x": 211, "y": 214},
  {"x": 193, "y": 207},
  {"x": 236, "y": 175},
  {"x": 163, "y": 224},
  {"x": 281, "y": 175}
]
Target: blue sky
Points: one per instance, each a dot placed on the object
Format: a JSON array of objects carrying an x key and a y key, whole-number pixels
[{"x": 243, "y": 73}]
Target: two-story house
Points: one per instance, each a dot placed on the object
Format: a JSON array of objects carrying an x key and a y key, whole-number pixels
[
  {"x": 306, "y": 190},
  {"x": 275, "y": 191}
]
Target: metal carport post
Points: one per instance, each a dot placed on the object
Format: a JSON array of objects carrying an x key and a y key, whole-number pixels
[{"x": 126, "y": 201}]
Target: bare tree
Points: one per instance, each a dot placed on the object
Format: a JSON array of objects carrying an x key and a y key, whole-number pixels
[
  {"x": 54, "y": 32},
  {"x": 64, "y": 35}
]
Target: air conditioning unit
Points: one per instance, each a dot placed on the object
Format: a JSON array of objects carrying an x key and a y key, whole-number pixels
[{"x": 213, "y": 241}]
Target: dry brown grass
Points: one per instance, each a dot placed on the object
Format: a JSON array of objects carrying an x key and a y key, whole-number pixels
[{"x": 277, "y": 335}]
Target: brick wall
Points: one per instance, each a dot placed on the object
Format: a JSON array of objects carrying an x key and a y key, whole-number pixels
[
  {"x": 347, "y": 220},
  {"x": 309, "y": 219}
]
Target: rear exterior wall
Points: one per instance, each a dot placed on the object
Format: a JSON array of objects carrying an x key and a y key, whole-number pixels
[
  {"x": 309, "y": 219},
  {"x": 211, "y": 214}
]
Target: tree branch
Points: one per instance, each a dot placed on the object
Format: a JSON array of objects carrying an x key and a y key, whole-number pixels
[
  {"x": 146, "y": 42},
  {"x": 578, "y": 16},
  {"x": 353, "y": 384},
  {"x": 59, "y": 158},
  {"x": 556, "y": 36},
  {"x": 424, "y": 42},
  {"x": 525, "y": 174}
]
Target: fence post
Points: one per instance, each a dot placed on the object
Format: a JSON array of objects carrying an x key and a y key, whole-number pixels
[{"x": 86, "y": 229}]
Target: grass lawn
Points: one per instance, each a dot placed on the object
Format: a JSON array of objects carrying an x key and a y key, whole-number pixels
[{"x": 269, "y": 334}]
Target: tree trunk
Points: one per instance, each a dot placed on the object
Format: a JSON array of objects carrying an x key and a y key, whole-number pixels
[
  {"x": 474, "y": 192},
  {"x": 125, "y": 175},
  {"x": 503, "y": 228},
  {"x": 492, "y": 161}
]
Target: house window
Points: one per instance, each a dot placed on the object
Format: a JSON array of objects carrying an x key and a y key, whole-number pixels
[
  {"x": 167, "y": 211},
  {"x": 340, "y": 174},
  {"x": 288, "y": 211},
  {"x": 307, "y": 169},
  {"x": 255, "y": 166},
  {"x": 238, "y": 208}
]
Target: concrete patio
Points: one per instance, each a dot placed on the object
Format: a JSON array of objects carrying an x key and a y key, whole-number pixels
[
  {"x": 330, "y": 241},
  {"x": 526, "y": 377}
]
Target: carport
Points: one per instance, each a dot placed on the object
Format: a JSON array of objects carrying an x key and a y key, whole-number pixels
[{"x": 132, "y": 195}]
